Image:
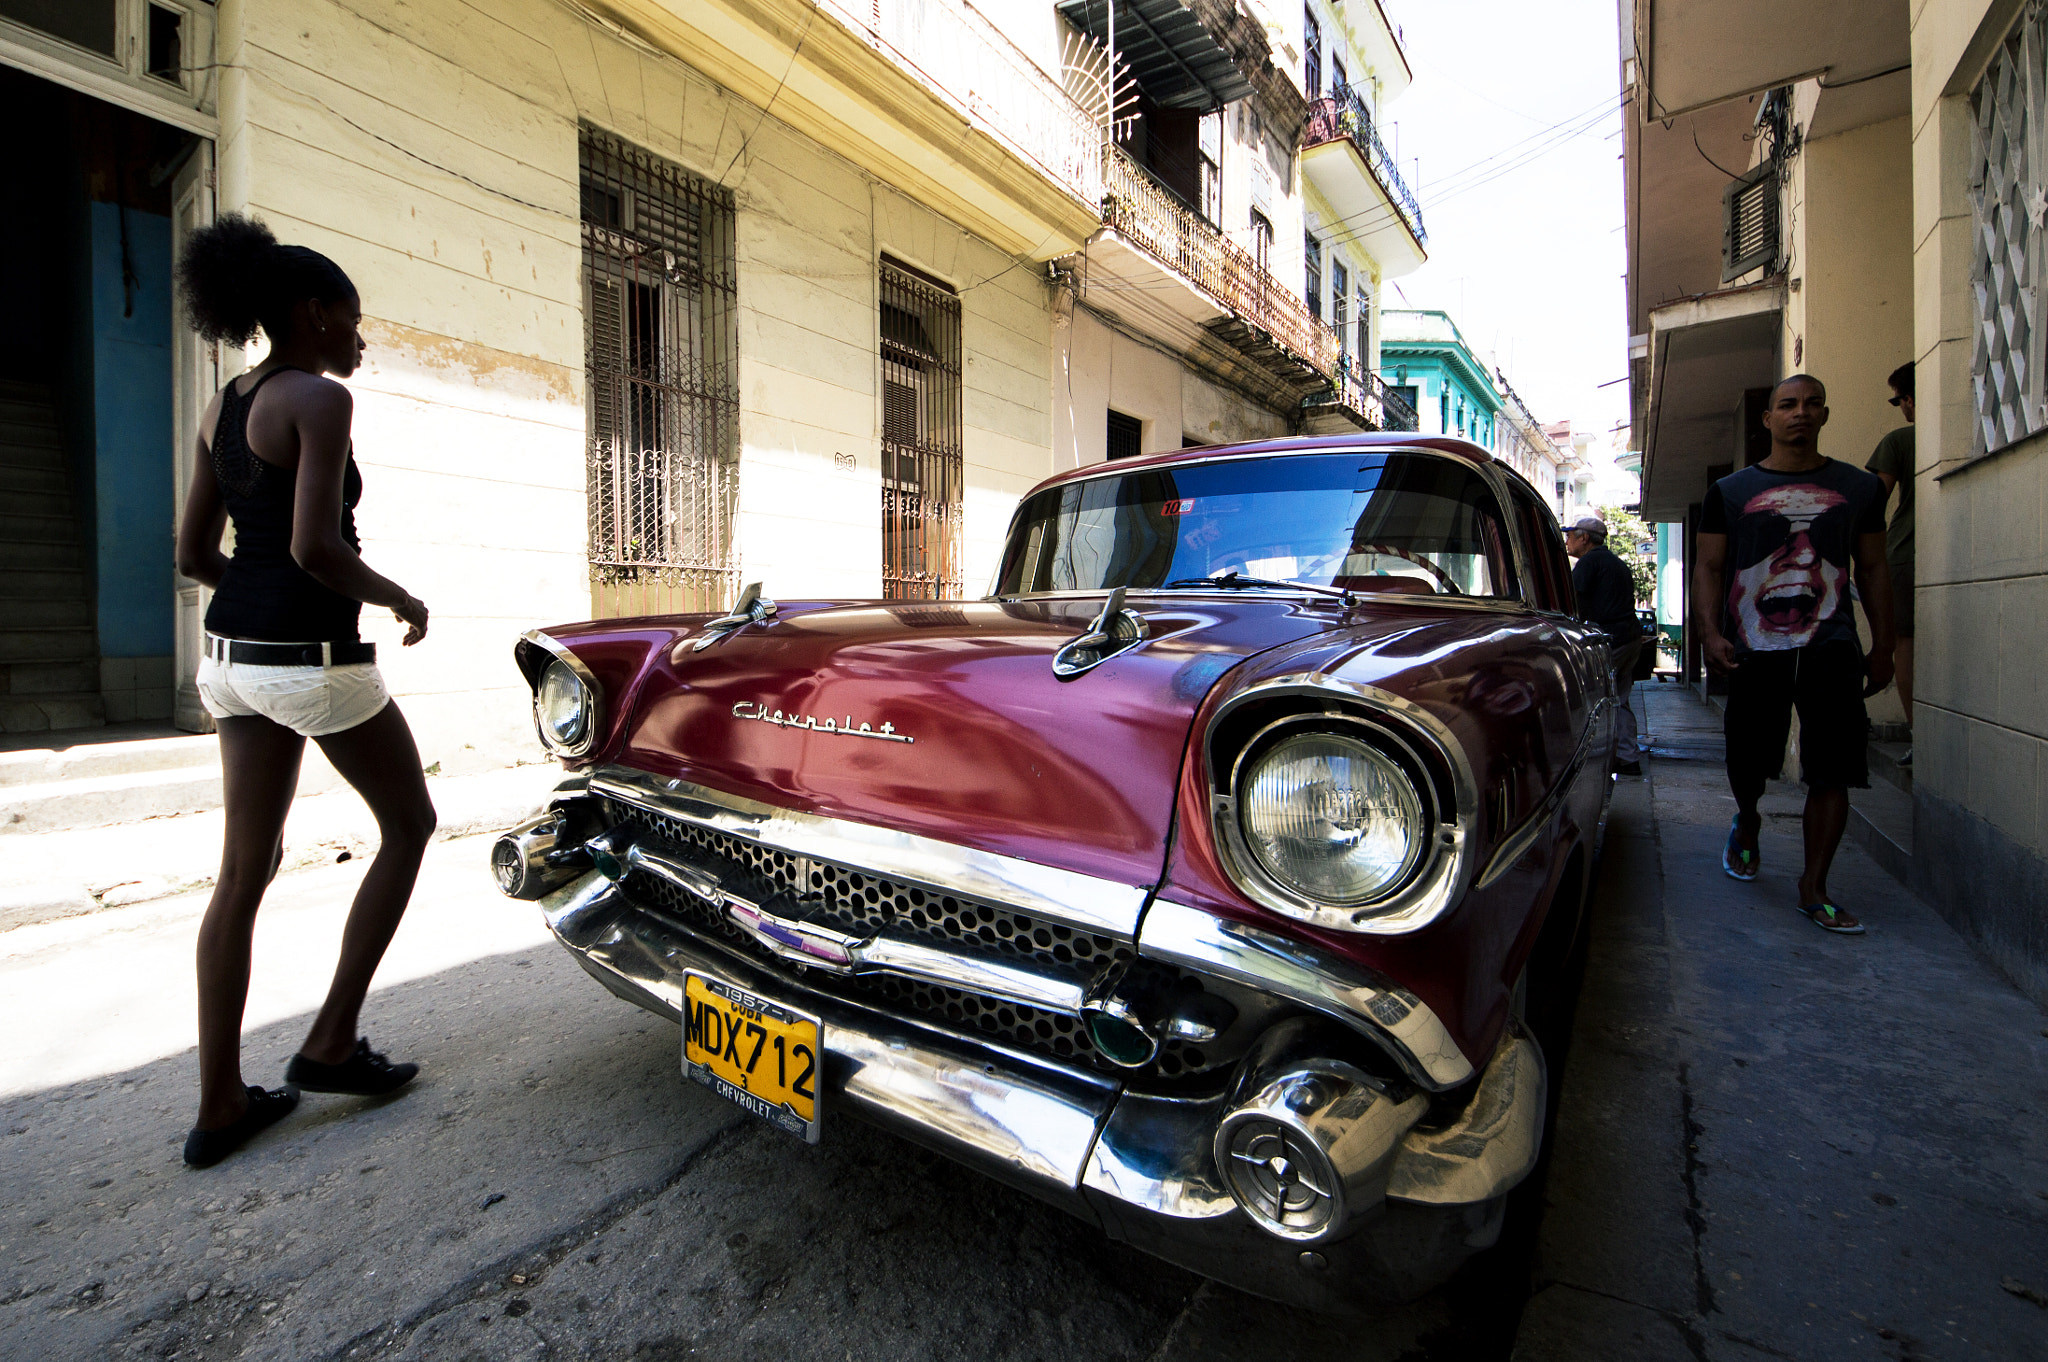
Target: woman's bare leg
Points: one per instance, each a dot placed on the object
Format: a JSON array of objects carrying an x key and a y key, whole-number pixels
[
  {"x": 379, "y": 758},
  {"x": 259, "y": 763}
]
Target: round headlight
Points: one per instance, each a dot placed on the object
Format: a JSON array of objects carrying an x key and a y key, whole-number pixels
[
  {"x": 561, "y": 707},
  {"x": 1331, "y": 818}
]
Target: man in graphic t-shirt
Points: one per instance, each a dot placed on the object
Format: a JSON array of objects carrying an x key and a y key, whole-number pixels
[{"x": 1779, "y": 543}]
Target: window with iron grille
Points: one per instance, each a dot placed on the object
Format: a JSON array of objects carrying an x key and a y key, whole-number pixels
[
  {"x": 1340, "y": 298},
  {"x": 1262, "y": 240},
  {"x": 660, "y": 343},
  {"x": 1126, "y": 436},
  {"x": 1749, "y": 222},
  {"x": 2006, "y": 182},
  {"x": 1312, "y": 253},
  {"x": 1312, "y": 47},
  {"x": 923, "y": 478},
  {"x": 1364, "y": 328}
]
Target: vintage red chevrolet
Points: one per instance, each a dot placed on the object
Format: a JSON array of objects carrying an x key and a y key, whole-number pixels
[{"x": 1202, "y": 878}]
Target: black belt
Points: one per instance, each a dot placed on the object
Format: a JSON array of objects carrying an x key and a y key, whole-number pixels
[{"x": 288, "y": 654}]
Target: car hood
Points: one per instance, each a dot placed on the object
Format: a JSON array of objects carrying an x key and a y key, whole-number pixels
[{"x": 947, "y": 720}]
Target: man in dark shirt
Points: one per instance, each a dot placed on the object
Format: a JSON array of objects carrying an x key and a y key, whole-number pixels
[
  {"x": 1607, "y": 600},
  {"x": 1778, "y": 543}
]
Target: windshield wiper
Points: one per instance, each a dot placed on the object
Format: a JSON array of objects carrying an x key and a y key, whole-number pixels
[{"x": 1233, "y": 580}]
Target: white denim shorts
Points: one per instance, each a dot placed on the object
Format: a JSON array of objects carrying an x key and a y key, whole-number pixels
[{"x": 310, "y": 701}]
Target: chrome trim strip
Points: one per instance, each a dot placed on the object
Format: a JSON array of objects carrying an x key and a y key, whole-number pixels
[
  {"x": 1065, "y": 896},
  {"x": 592, "y": 730},
  {"x": 1381, "y": 1010},
  {"x": 1517, "y": 843},
  {"x": 1028, "y": 1121},
  {"x": 1441, "y": 881}
]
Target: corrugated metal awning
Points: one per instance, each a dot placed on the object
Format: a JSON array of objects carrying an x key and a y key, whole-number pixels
[{"x": 1173, "y": 57}]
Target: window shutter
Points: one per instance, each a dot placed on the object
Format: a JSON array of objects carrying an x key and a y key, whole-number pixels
[{"x": 1749, "y": 222}]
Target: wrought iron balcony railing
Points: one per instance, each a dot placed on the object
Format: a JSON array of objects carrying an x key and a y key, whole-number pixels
[
  {"x": 1166, "y": 227},
  {"x": 958, "y": 53},
  {"x": 1366, "y": 393},
  {"x": 1345, "y": 115}
]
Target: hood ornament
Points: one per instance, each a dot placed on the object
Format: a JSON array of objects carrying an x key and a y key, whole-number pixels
[
  {"x": 1116, "y": 630},
  {"x": 751, "y": 608}
]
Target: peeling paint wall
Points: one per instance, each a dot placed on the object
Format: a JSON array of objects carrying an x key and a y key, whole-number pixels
[{"x": 431, "y": 147}]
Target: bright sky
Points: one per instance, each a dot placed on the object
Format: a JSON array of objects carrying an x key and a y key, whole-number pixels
[{"x": 1513, "y": 118}]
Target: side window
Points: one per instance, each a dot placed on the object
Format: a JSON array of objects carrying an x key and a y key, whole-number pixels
[{"x": 1550, "y": 573}]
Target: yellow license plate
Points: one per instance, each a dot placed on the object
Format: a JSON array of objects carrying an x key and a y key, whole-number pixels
[{"x": 758, "y": 1053}]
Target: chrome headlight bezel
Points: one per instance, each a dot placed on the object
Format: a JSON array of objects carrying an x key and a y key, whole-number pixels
[
  {"x": 1439, "y": 870},
  {"x": 563, "y": 665}
]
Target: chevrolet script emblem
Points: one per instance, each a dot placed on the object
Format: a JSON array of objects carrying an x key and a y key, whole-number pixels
[{"x": 845, "y": 728}]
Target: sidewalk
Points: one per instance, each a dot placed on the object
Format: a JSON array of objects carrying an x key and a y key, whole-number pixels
[
  {"x": 1773, "y": 1142},
  {"x": 49, "y": 875}
]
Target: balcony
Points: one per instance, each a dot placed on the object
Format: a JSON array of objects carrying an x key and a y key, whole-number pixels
[
  {"x": 1159, "y": 256},
  {"x": 928, "y": 95},
  {"x": 1343, "y": 157},
  {"x": 1358, "y": 399}
]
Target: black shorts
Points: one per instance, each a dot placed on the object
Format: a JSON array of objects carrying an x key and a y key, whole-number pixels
[{"x": 1825, "y": 683}]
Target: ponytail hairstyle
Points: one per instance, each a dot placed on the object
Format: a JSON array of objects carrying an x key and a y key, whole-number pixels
[{"x": 235, "y": 277}]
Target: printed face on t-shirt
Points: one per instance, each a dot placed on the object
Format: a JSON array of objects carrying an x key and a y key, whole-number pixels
[{"x": 1785, "y": 595}]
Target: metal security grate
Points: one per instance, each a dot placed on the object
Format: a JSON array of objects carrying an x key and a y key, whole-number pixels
[
  {"x": 2007, "y": 188},
  {"x": 1749, "y": 222},
  {"x": 661, "y": 347},
  {"x": 923, "y": 477}
]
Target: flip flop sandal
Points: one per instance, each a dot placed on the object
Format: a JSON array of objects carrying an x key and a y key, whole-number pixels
[
  {"x": 1740, "y": 862},
  {"x": 1829, "y": 918}
]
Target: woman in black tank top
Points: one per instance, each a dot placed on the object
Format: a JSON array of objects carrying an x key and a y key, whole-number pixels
[{"x": 274, "y": 457}]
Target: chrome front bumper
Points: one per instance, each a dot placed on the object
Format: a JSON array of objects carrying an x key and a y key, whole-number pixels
[{"x": 1138, "y": 1166}]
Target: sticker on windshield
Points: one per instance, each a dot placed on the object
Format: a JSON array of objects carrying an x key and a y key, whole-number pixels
[{"x": 1184, "y": 506}]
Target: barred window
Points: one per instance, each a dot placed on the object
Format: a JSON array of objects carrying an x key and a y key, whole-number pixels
[
  {"x": 660, "y": 341},
  {"x": 1312, "y": 253},
  {"x": 2005, "y": 183},
  {"x": 923, "y": 478},
  {"x": 1340, "y": 299}
]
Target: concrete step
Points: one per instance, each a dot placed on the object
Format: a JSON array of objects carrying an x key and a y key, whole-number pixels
[
  {"x": 1885, "y": 757},
  {"x": 110, "y": 754},
  {"x": 1881, "y": 822},
  {"x": 28, "y": 528},
  {"x": 97, "y": 801},
  {"x": 43, "y": 713},
  {"x": 32, "y": 478},
  {"x": 42, "y": 583},
  {"x": 15, "y": 411},
  {"x": 29, "y": 502},
  {"x": 18, "y": 451},
  {"x": 31, "y": 612},
  {"x": 50, "y": 678},
  {"x": 63, "y": 644},
  {"x": 40, "y": 557}
]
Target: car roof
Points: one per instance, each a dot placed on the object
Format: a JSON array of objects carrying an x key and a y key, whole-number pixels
[{"x": 1293, "y": 444}]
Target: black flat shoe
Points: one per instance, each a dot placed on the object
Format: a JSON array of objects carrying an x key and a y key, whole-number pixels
[
  {"x": 363, "y": 1074},
  {"x": 205, "y": 1148}
]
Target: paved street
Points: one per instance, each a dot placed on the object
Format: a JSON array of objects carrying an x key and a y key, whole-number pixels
[
  {"x": 547, "y": 1187},
  {"x": 1772, "y": 1143}
]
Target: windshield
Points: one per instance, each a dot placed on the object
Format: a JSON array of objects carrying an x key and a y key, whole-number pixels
[{"x": 1411, "y": 523}]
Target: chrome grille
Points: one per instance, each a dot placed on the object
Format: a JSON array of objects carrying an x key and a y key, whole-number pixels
[{"x": 855, "y": 901}]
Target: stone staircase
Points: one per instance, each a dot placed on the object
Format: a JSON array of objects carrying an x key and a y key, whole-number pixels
[{"x": 49, "y": 653}]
